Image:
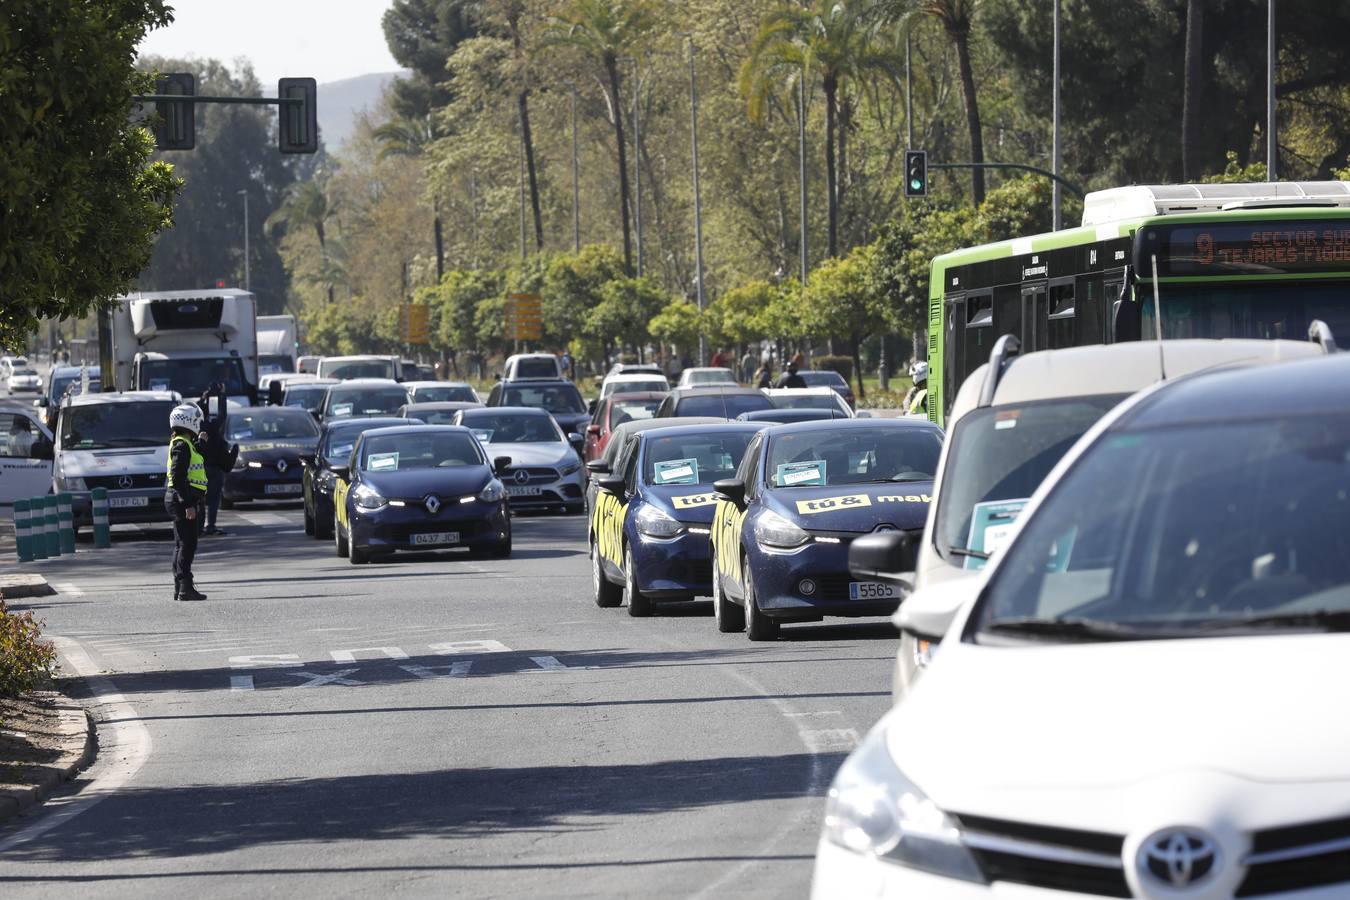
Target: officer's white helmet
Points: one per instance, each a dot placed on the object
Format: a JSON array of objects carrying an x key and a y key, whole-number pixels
[
  {"x": 920, "y": 373},
  {"x": 186, "y": 415}
]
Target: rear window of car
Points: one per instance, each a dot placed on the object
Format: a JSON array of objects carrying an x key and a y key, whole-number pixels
[
  {"x": 536, "y": 368},
  {"x": 824, "y": 379},
  {"x": 631, "y": 410},
  {"x": 726, "y": 406}
]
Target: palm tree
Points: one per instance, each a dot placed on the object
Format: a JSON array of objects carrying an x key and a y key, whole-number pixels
[
  {"x": 604, "y": 31},
  {"x": 1191, "y": 89},
  {"x": 829, "y": 39},
  {"x": 410, "y": 138},
  {"x": 306, "y": 206}
]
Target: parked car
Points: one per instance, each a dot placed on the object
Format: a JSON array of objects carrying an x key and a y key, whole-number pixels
[
  {"x": 725, "y": 402},
  {"x": 613, "y": 411}
]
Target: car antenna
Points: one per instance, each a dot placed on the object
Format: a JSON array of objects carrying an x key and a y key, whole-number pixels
[{"x": 1157, "y": 321}]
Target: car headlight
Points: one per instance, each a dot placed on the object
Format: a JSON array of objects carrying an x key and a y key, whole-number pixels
[
  {"x": 493, "y": 492},
  {"x": 255, "y": 465},
  {"x": 240, "y": 464},
  {"x": 651, "y": 522},
  {"x": 570, "y": 468},
  {"x": 367, "y": 498},
  {"x": 71, "y": 484},
  {"x": 874, "y": 810},
  {"x": 772, "y": 530}
]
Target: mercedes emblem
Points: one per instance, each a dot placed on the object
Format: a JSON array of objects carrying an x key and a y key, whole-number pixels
[
  {"x": 1178, "y": 857},
  {"x": 125, "y": 481},
  {"x": 521, "y": 476}
]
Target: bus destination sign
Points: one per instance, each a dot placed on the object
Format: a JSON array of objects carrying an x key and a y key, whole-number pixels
[{"x": 1252, "y": 248}]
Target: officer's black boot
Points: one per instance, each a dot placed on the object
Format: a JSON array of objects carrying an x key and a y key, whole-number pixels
[
  {"x": 189, "y": 591},
  {"x": 177, "y": 588}
]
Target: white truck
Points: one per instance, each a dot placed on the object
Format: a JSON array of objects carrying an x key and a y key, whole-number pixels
[
  {"x": 276, "y": 344},
  {"x": 183, "y": 341}
]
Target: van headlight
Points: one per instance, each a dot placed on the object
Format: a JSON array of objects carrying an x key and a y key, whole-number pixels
[
  {"x": 367, "y": 499},
  {"x": 653, "y": 523},
  {"x": 874, "y": 810},
  {"x": 71, "y": 484},
  {"x": 493, "y": 492},
  {"x": 772, "y": 530}
]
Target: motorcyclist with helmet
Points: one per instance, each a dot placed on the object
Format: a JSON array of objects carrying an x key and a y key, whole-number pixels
[
  {"x": 916, "y": 400},
  {"x": 185, "y": 489}
]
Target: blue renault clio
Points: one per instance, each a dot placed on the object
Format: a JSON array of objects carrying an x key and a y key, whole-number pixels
[
  {"x": 652, "y": 516},
  {"x": 782, "y": 525}
]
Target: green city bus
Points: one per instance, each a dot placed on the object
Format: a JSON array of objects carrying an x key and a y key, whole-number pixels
[{"x": 1233, "y": 260}]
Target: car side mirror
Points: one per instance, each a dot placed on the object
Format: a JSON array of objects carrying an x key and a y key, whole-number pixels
[
  {"x": 274, "y": 393},
  {"x": 593, "y": 430},
  {"x": 732, "y": 489},
  {"x": 42, "y": 449},
  {"x": 576, "y": 440},
  {"x": 43, "y": 402},
  {"x": 590, "y": 407},
  {"x": 886, "y": 556},
  {"x": 500, "y": 464},
  {"x": 928, "y": 614},
  {"x": 597, "y": 467},
  {"x": 343, "y": 472},
  {"x": 611, "y": 484}
]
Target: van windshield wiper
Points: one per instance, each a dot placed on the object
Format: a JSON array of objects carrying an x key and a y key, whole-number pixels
[
  {"x": 966, "y": 551},
  {"x": 1073, "y": 628},
  {"x": 1318, "y": 619}
]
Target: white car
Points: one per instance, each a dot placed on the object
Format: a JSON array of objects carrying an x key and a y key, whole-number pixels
[
  {"x": 1142, "y": 694},
  {"x": 545, "y": 470},
  {"x": 633, "y": 383},
  {"x": 809, "y": 398},
  {"x": 441, "y": 392},
  {"x": 706, "y": 377},
  {"x": 24, "y": 379}
]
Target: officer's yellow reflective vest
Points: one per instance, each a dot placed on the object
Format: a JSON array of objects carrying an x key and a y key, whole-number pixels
[
  {"x": 196, "y": 465},
  {"x": 918, "y": 405}
]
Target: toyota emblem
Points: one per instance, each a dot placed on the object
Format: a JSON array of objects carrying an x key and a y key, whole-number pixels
[
  {"x": 521, "y": 476},
  {"x": 125, "y": 481},
  {"x": 432, "y": 503},
  {"x": 281, "y": 466},
  {"x": 1178, "y": 857}
]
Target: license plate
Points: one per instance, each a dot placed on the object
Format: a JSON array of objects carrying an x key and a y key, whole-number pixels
[
  {"x": 118, "y": 502},
  {"x": 282, "y": 489},
  {"x": 437, "y": 537},
  {"x": 870, "y": 590},
  {"x": 523, "y": 490}
]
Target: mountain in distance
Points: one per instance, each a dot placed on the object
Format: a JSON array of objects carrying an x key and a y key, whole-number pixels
[{"x": 340, "y": 102}]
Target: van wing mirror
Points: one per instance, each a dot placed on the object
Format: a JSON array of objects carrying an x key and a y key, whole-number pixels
[
  {"x": 887, "y": 556},
  {"x": 928, "y": 614}
]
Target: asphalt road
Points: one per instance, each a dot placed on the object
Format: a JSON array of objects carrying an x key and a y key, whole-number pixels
[{"x": 433, "y": 726}]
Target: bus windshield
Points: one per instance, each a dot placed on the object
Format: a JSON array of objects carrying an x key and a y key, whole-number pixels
[{"x": 1266, "y": 310}]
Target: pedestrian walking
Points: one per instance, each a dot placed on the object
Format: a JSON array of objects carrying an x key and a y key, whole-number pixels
[
  {"x": 185, "y": 489},
  {"x": 219, "y": 454},
  {"x": 747, "y": 372}
]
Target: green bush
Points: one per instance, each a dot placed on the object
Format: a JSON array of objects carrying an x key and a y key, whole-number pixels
[
  {"x": 25, "y": 658},
  {"x": 841, "y": 364}
]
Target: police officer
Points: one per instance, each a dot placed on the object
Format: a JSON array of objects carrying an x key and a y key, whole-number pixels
[
  {"x": 790, "y": 378},
  {"x": 185, "y": 488},
  {"x": 916, "y": 401}
]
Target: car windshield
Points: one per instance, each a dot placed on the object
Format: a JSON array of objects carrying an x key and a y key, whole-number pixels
[
  {"x": 694, "y": 458},
  {"x": 356, "y": 368},
  {"x": 308, "y": 397},
  {"x": 823, "y": 379},
  {"x": 999, "y": 456},
  {"x": 824, "y": 456},
  {"x": 726, "y": 406},
  {"x": 192, "y": 377},
  {"x": 272, "y": 424},
  {"x": 805, "y": 401},
  {"x": 710, "y": 376},
  {"x": 555, "y": 398},
  {"x": 397, "y": 452},
  {"x": 1176, "y": 529},
  {"x": 56, "y": 387},
  {"x": 536, "y": 368},
  {"x": 634, "y": 387},
  {"x": 513, "y": 428},
  {"x": 377, "y": 401},
  {"x": 25, "y": 371},
  {"x": 631, "y": 410},
  {"x": 342, "y": 437},
  {"x": 103, "y": 426},
  {"x": 433, "y": 416},
  {"x": 442, "y": 393}
]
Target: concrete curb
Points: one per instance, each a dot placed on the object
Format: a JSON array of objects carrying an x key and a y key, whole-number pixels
[
  {"x": 77, "y": 725},
  {"x": 15, "y": 587}
]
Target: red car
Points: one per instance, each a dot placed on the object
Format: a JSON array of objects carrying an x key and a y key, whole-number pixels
[{"x": 615, "y": 410}]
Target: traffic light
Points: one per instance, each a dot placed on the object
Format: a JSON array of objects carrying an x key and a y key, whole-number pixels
[
  {"x": 299, "y": 121},
  {"x": 916, "y": 173},
  {"x": 175, "y": 126}
]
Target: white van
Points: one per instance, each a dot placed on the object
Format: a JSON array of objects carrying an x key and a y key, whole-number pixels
[
  {"x": 25, "y": 454},
  {"x": 527, "y": 366}
]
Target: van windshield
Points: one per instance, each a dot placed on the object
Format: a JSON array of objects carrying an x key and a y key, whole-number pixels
[
  {"x": 356, "y": 368},
  {"x": 192, "y": 377},
  {"x": 104, "y": 426}
]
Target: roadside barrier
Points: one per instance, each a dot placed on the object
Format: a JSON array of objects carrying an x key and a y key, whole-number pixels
[
  {"x": 66, "y": 520},
  {"x": 37, "y": 529},
  {"x": 99, "y": 507},
  {"x": 23, "y": 536},
  {"x": 52, "y": 527}
]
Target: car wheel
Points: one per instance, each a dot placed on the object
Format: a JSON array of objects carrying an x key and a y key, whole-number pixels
[
  {"x": 358, "y": 556},
  {"x": 639, "y": 604},
  {"x": 323, "y": 528},
  {"x": 730, "y": 617},
  {"x": 758, "y": 627},
  {"x": 339, "y": 538},
  {"x": 607, "y": 595},
  {"x": 502, "y": 549},
  {"x": 309, "y": 523}
]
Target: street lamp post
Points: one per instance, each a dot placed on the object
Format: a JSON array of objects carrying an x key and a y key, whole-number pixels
[
  {"x": 637, "y": 155},
  {"x": 576, "y": 195},
  {"x": 248, "y": 280},
  {"x": 698, "y": 208},
  {"x": 1054, "y": 135},
  {"x": 1272, "y": 147}
]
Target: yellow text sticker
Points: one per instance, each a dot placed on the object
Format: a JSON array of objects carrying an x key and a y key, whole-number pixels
[
  {"x": 689, "y": 500},
  {"x": 831, "y": 504}
]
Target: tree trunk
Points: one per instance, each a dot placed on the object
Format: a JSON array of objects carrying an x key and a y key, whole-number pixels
[
  {"x": 1191, "y": 91},
  {"x": 961, "y": 38},
  {"x": 528, "y": 139},
  {"x": 612, "y": 69},
  {"x": 439, "y": 232},
  {"x": 831, "y": 86},
  {"x": 856, "y": 340}
]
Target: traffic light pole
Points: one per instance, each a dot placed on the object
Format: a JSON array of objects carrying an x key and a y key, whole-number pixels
[{"x": 1025, "y": 168}]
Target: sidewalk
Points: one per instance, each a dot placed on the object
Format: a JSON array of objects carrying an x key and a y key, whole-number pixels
[{"x": 45, "y": 739}]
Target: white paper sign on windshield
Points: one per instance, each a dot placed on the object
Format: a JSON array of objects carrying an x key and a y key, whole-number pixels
[
  {"x": 802, "y": 474},
  {"x": 382, "y": 462},
  {"x": 342, "y": 409},
  {"x": 677, "y": 471},
  {"x": 484, "y": 435},
  {"x": 159, "y": 385}
]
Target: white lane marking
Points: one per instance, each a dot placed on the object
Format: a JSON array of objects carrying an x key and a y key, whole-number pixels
[
  {"x": 266, "y": 660},
  {"x": 338, "y": 677},
  {"x": 264, "y": 519},
  {"x": 203, "y": 650},
  {"x": 69, "y": 588},
  {"x": 830, "y": 740},
  {"x": 452, "y": 648},
  {"x": 548, "y": 663},
  {"x": 812, "y": 715},
  {"x": 454, "y": 670},
  {"x": 342, "y": 656},
  {"x": 241, "y": 682},
  {"x": 124, "y": 746},
  {"x": 344, "y": 628}
]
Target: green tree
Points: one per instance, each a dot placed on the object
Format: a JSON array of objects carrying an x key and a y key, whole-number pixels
[
  {"x": 841, "y": 298},
  {"x": 679, "y": 323},
  {"x": 80, "y": 199},
  {"x": 604, "y": 31},
  {"x": 306, "y": 206},
  {"x": 739, "y": 312},
  {"x": 626, "y": 307},
  {"x": 422, "y": 34},
  {"x": 457, "y": 299},
  {"x": 573, "y": 286}
]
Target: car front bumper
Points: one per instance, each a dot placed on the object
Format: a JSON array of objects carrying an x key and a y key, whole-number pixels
[
  {"x": 477, "y": 524},
  {"x": 569, "y": 490},
  {"x": 779, "y": 577},
  {"x": 679, "y": 566},
  {"x": 263, "y": 484},
  {"x": 150, "y": 509}
]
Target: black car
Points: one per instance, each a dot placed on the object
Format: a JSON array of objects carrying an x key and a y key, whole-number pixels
[
  {"x": 306, "y": 395},
  {"x": 272, "y": 440},
  {"x": 423, "y": 487},
  {"x": 724, "y": 402},
  {"x": 336, "y": 440},
  {"x": 363, "y": 398},
  {"x": 782, "y": 416},
  {"x": 437, "y": 412},
  {"x": 559, "y": 397}
]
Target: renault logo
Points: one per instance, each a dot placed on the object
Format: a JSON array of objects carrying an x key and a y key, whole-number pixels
[
  {"x": 433, "y": 503},
  {"x": 125, "y": 481},
  {"x": 1178, "y": 857},
  {"x": 521, "y": 476},
  {"x": 282, "y": 466}
]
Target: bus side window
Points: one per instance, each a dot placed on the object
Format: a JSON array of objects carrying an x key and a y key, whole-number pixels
[
  {"x": 1092, "y": 311},
  {"x": 953, "y": 348},
  {"x": 1034, "y": 318},
  {"x": 1063, "y": 317},
  {"x": 979, "y": 332}
]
